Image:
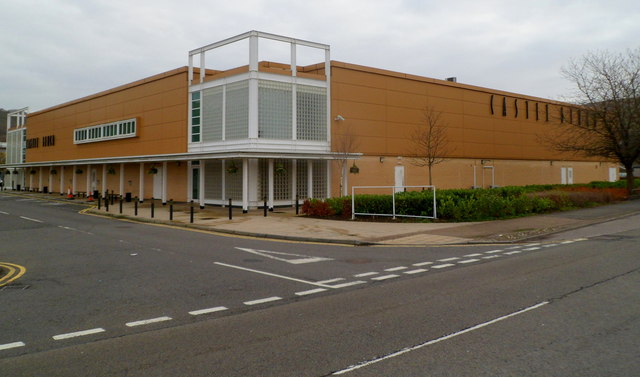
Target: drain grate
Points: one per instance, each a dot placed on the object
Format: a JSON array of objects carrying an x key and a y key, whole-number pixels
[{"x": 20, "y": 287}]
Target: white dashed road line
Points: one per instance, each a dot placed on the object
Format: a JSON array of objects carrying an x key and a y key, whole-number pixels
[
  {"x": 513, "y": 252},
  {"x": 329, "y": 281},
  {"x": 473, "y": 255},
  {"x": 78, "y": 333},
  {"x": 366, "y": 274},
  {"x": 262, "y": 300},
  {"x": 11, "y": 345},
  {"x": 4, "y": 213},
  {"x": 209, "y": 310},
  {"x": 422, "y": 264},
  {"x": 347, "y": 284},
  {"x": 30, "y": 219},
  {"x": 491, "y": 257},
  {"x": 395, "y": 268},
  {"x": 310, "y": 292},
  {"x": 148, "y": 321},
  {"x": 448, "y": 259},
  {"x": 385, "y": 277},
  {"x": 419, "y": 270},
  {"x": 443, "y": 265},
  {"x": 531, "y": 248},
  {"x": 468, "y": 261},
  {"x": 494, "y": 251}
]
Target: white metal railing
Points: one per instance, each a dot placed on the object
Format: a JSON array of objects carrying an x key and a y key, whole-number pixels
[{"x": 393, "y": 199}]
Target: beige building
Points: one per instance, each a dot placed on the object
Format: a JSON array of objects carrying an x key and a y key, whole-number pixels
[{"x": 284, "y": 130}]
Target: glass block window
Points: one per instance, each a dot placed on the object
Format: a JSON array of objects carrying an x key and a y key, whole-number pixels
[
  {"x": 281, "y": 179},
  {"x": 212, "y": 114},
  {"x": 195, "y": 117},
  {"x": 16, "y": 146},
  {"x": 213, "y": 179},
  {"x": 237, "y": 110},
  {"x": 233, "y": 179},
  {"x": 108, "y": 131},
  {"x": 311, "y": 104},
  {"x": 319, "y": 179},
  {"x": 301, "y": 179},
  {"x": 274, "y": 110}
]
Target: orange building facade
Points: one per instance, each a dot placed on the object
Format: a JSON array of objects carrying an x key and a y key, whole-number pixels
[{"x": 280, "y": 131}]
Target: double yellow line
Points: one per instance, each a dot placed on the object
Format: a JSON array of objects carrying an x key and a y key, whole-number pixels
[{"x": 15, "y": 271}]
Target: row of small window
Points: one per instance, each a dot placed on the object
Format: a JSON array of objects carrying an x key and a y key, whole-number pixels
[{"x": 114, "y": 130}]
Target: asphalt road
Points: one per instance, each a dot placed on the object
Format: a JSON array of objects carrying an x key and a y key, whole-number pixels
[{"x": 102, "y": 297}]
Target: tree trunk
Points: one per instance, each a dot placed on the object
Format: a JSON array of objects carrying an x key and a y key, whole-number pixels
[
  {"x": 430, "y": 184},
  {"x": 630, "y": 177}
]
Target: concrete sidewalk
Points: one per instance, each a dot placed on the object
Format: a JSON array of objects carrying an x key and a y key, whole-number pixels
[{"x": 284, "y": 224}]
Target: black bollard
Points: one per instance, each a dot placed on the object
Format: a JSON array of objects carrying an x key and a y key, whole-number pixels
[
  {"x": 171, "y": 209},
  {"x": 99, "y": 201},
  {"x": 135, "y": 206},
  {"x": 230, "y": 210},
  {"x": 120, "y": 204},
  {"x": 191, "y": 213},
  {"x": 297, "y": 204},
  {"x": 265, "y": 207},
  {"x": 152, "y": 207}
]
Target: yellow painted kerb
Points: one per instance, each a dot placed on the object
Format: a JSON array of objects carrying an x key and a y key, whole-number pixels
[{"x": 15, "y": 271}]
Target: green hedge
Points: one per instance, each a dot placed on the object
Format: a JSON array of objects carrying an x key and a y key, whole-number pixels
[{"x": 469, "y": 204}]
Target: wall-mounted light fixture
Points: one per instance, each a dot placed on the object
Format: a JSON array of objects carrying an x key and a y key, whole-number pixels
[{"x": 339, "y": 118}]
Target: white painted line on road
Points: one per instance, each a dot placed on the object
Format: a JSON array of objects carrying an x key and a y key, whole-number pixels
[
  {"x": 580, "y": 239},
  {"x": 329, "y": 281},
  {"x": 473, "y": 255},
  {"x": 302, "y": 259},
  {"x": 395, "y": 269},
  {"x": 30, "y": 219},
  {"x": 148, "y": 321},
  {"x": 469, "y": 261},
  {"x": 419, "y": 270},
  {"x": 262, "y": 300},
  {"x": 514, "y": 247},
  {"x": 448, "y": 259},
  {"x": 310, "y": 292},
  {"x": 385, "y": 277},
  {"x": 209, "y": 310},
  {"x": 347, "y": 284},
  {"x": 78, "y": 333},
  {"x": 366, "y": 274},
  {"x": 443, "y": 265},
  {"x": 434, "y": 341},
  {"x": 532, "y": 248},
  {"x": 567, "y": 242},
  {"x": 422, "y": 264},
  {"x": 11, "y": 345},
  {"x": 493, "y": 251},
  {"x": 274, "y": 275},
  {"x": 514, "y": 252},
  {"x": 4, "y": 213},
  {"x": 491, "y": 257},
  {"x": 532, "y": 244},
  {"x": 551, "y": 245}
]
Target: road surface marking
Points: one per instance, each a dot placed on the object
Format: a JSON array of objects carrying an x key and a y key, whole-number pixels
[
  {"x": 262, "y": 300},
  {"x": 365, "y": 274},
  {"x": 15, "y": 271},
  {"x": 385, "y": 277},
  {"x": 514, "y": 247},
  {"x": 330, "y": 281},
  {"x": 274, "y": 275},
  {"x": 493, "y": 251},
  {"x": 419, "y": 270},
  {"x": 30, "y": 219},
  {"x": 448, "y": 259},
  {"x": 491, "y": 257},
  {"x": 310, "y": 292},
  {"x": 514, "y": 252},
  {"x": 4, "y": 213},
  {"x": 422, "y": 264},
  {"x": 395, "y": 268},
  {"x": 302, "y": 259},
  {"x": 347, "y": 284},
  {"x": 551, "y": 245},
  {"x": 531, "y": 248},
  {"x": 566, "y": 242},
  {"x": 473, "y": 255},
  {"x": 532, "y": 244},
  {"x": 209, "y": 310},
  {"x": 443, "y": 265},
  {"x": 78, "y": 333},
  {"x": 11, "y": 345},
  {"x": 469, "y": 261},
  {"x": 434, "y": 341},
  {"x": 148, "y": 321}
]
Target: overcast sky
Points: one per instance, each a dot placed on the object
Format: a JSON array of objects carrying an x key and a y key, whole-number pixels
[{"x": 53, "y": 51}]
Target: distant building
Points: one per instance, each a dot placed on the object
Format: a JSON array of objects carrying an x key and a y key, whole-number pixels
[{"x": 276, "y": 130}]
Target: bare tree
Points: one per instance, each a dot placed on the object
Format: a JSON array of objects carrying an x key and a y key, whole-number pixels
[
  {"x": 346, "y": 143},
  {"x": 606, "y": 121},
  {"x": 430, "y": 142}
]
